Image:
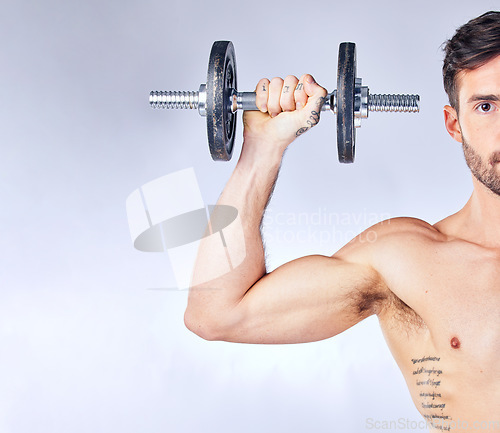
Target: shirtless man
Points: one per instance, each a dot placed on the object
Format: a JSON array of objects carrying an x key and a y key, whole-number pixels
[{"x": 435, "y": 288}]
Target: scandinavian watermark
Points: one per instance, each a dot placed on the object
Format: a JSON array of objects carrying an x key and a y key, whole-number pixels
[{"x": 321, "y": 227}]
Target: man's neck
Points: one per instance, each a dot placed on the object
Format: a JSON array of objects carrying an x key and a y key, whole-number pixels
[{"x": 479, "y": 220}]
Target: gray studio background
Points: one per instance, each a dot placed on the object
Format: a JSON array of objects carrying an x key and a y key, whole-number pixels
[{"x": 88, "y": 340}]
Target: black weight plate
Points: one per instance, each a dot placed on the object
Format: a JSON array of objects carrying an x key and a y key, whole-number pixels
[
  {"x": 221, "y": 122},
  {"x": 346, "y": 81}
]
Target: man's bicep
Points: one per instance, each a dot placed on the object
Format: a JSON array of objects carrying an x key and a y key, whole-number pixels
[{"x": 308, "y": 299}]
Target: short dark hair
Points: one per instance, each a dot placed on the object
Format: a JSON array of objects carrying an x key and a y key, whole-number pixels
[{"x": 473, "y": 45}]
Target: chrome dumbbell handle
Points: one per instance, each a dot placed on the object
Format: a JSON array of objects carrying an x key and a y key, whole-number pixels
[{"x": 364, "y": 101}]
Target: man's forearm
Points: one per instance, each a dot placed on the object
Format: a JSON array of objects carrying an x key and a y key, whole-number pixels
[
  {"x": 248, "y": 190},
  {"x": 216, "y": 306}
]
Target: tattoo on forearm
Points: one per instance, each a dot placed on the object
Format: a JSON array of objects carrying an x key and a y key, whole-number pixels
[{"x": 431, "y": 399}]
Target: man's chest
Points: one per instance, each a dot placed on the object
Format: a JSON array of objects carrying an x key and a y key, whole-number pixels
[
  {"x": 460, "y": 306},
  {"x": 450, "y": 358}
]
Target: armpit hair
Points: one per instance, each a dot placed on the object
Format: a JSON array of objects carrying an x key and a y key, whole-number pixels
[
  {"x": 377, "y": 301},
  {"x": 370, "y": 302},
  {"x": 403, "y": 315}
]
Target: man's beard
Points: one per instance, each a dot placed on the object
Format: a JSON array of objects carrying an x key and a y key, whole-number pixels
[{"x": 483, "y": 172}]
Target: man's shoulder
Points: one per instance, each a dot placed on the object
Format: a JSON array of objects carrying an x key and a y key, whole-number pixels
[
  {"x": 406, "y": 228},
  {"x": 389, "y": 240},
  {"x": 399, "y": 232}
]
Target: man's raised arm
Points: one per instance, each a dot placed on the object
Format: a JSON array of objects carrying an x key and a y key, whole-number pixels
[{"x": 305, "y": 300}]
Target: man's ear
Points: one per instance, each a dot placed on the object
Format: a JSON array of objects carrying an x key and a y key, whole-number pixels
[{"x": 451, "y": 123}]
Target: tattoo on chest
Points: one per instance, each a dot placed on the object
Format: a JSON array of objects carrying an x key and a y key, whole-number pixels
[{"x": 427, "y": 375}]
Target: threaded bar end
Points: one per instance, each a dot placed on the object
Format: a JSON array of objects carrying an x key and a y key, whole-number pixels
[
  {"x": 398, "y": 103},
  {"x": 173, "y": 99}
]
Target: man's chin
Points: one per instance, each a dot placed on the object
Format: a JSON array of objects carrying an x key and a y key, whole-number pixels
[
  {"x": 491, "y": 180},
  {"x": 494, "y": 159}
]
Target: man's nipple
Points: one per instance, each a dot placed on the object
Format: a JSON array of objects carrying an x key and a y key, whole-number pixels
[{"x": 455, "y": 343}]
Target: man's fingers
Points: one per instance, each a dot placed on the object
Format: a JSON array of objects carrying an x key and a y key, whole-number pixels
[
  {"x": 299, "y": 94},
  {"x": 275, "y": 87},
  {"x": 315, "y": 93},
  {"x": 287, "y": 100},
  {"x": 298, "y": 101},
  {"x": 262, "y": 95},
  {"x": 289, "y": 94}
]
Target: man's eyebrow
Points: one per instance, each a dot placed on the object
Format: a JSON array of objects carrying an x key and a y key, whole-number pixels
[{"x": 476, "y": 98}]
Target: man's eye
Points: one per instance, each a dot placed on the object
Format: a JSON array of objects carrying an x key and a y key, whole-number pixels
[{"x": 485, "y": 107}]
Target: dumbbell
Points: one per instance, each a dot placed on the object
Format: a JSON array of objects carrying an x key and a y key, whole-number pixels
[{"x": 218, "y": 100}]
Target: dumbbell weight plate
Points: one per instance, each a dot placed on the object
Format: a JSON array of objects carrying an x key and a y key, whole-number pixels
[
  {"x": 346, "y": 81},
  {"x": 221, "y": 122}
]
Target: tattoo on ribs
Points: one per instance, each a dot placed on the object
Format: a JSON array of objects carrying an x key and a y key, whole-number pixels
[
  {"x": 428, "y": 372},
  {"x": 428, "y": 379},
  {"x": 425, "y": 358}
]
